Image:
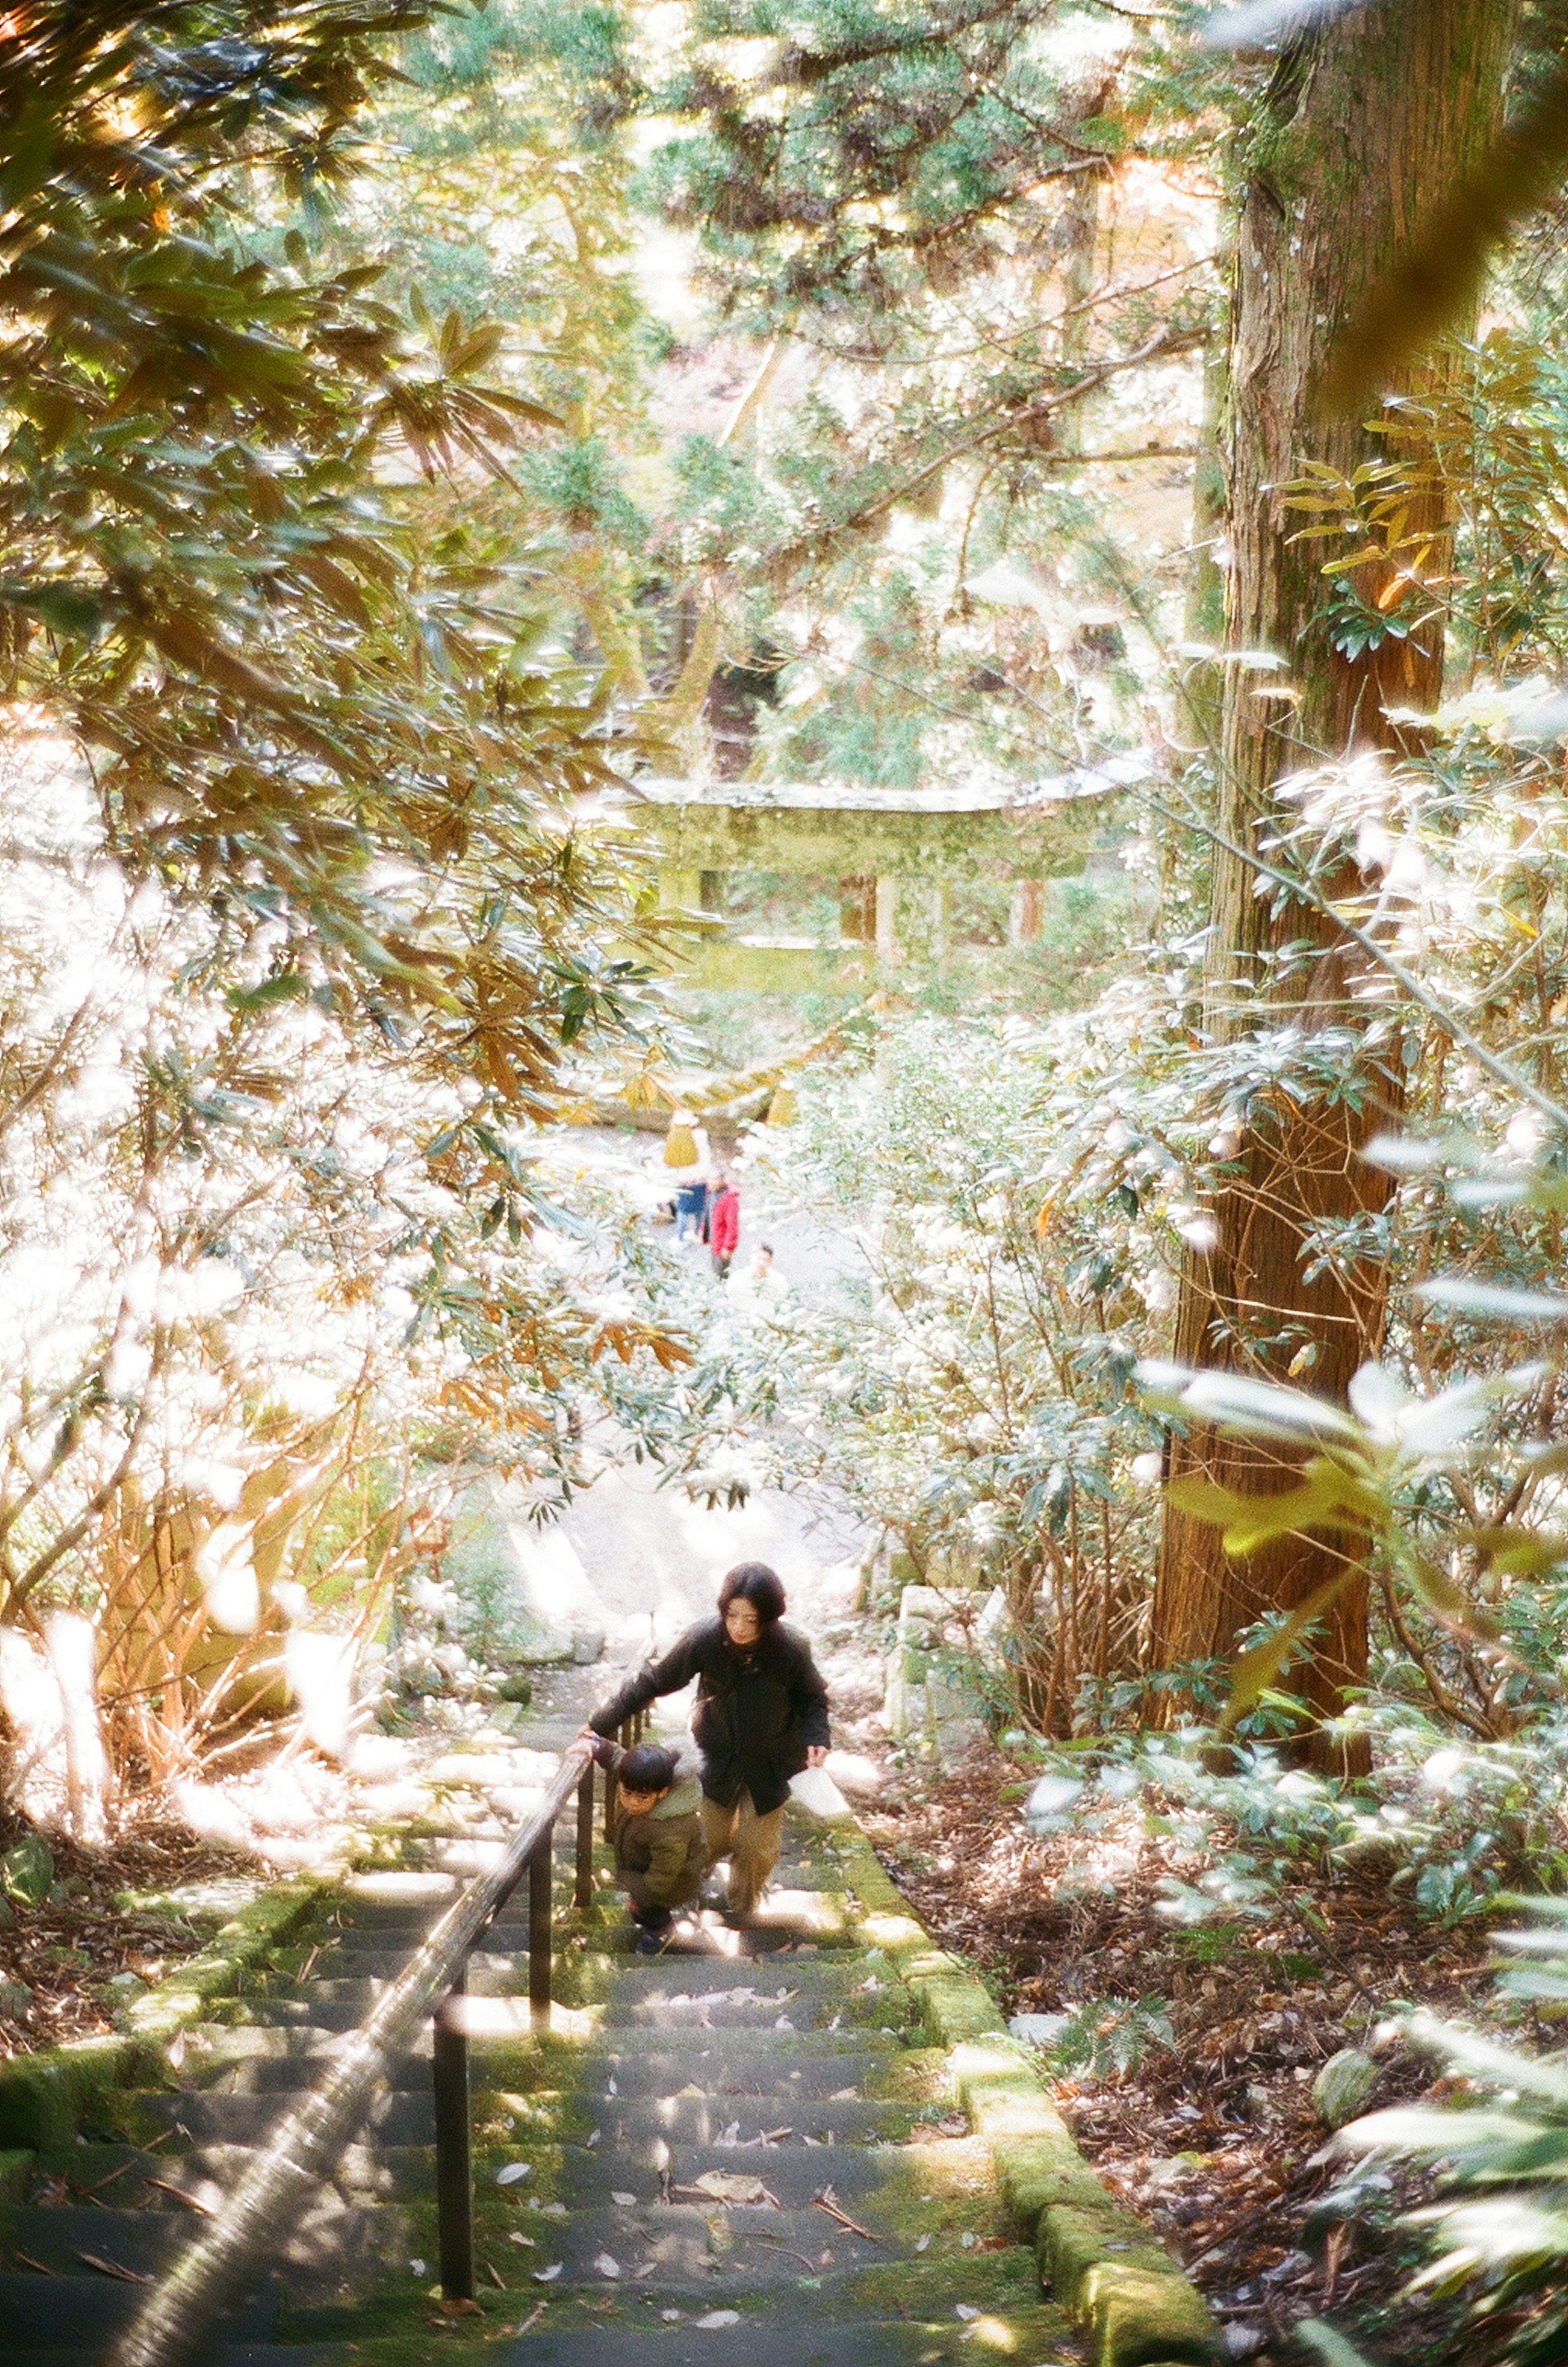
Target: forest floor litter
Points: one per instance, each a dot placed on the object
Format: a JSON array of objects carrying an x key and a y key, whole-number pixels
[
  {"x": 1187, "y": 2070},
  {"x": 83, "y": 1929}
]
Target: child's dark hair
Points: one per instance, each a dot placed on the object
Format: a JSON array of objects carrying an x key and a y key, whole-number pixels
[
  {"x": 647, "y": 1767},
  {"x": 753, "y": 1582}
]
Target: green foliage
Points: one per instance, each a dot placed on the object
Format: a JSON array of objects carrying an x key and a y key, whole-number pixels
[
  {"x": 221, "y": 572},
  {"x": 1483, "y": 449},
  {"x": 1110, "y": 2038},
  {"x": 1499, "y": 2227},
  {"x": 27, "y": 1871},
  {"x": 914, "y": 207},
  {"x": 870, "y": 148}
]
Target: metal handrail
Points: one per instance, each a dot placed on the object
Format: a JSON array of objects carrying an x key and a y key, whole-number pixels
[
  {"x": 176, "y": 2321},
  {"x": 449, "y": 2059}
]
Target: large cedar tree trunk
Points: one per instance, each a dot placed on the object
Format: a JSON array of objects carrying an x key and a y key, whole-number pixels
[{"x": 1364, "y": 125}]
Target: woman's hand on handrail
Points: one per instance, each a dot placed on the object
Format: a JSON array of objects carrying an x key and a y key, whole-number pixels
[{"x": 816, "y": 1755}]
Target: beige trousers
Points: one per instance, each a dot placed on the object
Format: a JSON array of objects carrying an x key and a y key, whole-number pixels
[{"x": 750, "y": 1842}]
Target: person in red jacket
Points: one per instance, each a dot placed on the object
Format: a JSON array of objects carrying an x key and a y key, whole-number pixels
[{"x": 724, "y": 1225}]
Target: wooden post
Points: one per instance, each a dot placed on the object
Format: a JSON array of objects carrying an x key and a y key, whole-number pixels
[
  {"x": 540, "y": 1870},
  {"x": 454, "y": 2167},
  {"x": 1024, "y": 913},
  {"x": 582, "y": 1894},
  {"x": 887, "y": 920}
]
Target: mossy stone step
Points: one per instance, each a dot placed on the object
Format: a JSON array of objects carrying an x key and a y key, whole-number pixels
[
  {"x": 727, "y": 2010},
  {"x": 682, "y": 2246},
  {"x": 746, "y": 2063},
  {"x": 741, "y": 2120},
  {"x": 402, "y": 2116},
  {"x": 214, "y": 2168},
  {"x": 84, "y": 2314},
  {"x": 793, "y": 2173},
  {"x": 490, "y": 1972},
  {"x": 789, "y": 2341},
  {"x": 222, "y": 2355},
  {"x": 336, "y": 2248},
  {"x": 675, "y": 1975}
]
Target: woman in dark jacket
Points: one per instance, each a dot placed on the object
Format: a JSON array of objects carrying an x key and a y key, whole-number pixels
[{"x": 761, "y": 1717}]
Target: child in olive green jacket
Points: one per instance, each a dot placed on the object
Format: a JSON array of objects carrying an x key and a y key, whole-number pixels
[{"x": 659, "y": 1858}]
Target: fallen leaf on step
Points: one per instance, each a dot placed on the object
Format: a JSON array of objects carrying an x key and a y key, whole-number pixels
[
  {"x": 731, "y": 2186},
  {"x": 606, "y": 2267},
  {"x": 594, "y": 2136},
  {"x": 115, "y": 2269},
  {"x": 458, "y": 2308},
  {"x": 625, "y": 2200},
  {"x": 547, "y": 2276},
  {"x": 962, "y": 2309},
  {"x": 526, "y": 2241},
  {"x": 717, "y": 2318},
  {"x": 511, "y": 2173},
  {"x": 922, "y": 2244}
]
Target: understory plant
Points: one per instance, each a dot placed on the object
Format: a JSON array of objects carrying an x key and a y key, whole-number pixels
[{"x": 1498, "y": 2227}]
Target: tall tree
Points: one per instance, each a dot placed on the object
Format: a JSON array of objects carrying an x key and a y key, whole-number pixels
[{"x": 1361, "y": 126}]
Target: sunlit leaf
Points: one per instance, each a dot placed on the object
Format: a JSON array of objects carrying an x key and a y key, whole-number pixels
[
  {"x": 1323, "y": 2341},
  {"x": 1502, "y": 1301},
  {"x": 1326, "y": 1501},
  {"x": 1248, "y": 1407},
  {"x": 1260, "y": 23},
  {"x": 1520, "y": 1553}
]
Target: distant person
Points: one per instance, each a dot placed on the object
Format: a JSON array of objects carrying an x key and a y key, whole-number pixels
[
  {"x": 724, "y": 1225},
  {"x": 761, "y": 1717},
  {"x": 660, "y": 1856},
  {"x": 761, "y": 1282},
  {"x": 688, "y": 1156}
]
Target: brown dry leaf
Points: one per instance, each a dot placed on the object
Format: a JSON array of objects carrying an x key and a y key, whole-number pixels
[{"x": 731, "y": 2186}]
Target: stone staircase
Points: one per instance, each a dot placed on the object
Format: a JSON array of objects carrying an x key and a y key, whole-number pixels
[{"x": 745, "y": 2151}]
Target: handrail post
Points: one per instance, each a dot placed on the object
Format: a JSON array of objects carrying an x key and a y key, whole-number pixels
[
  {"x": 453, "y": 2169},
  {"x": 540, "y": 1870},
  {"x": 610, "y": 1790},
  {"x": 582, "y": 1893}
]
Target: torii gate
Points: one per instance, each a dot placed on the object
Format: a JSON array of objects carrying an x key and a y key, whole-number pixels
[{"x": 896, "y": 854}]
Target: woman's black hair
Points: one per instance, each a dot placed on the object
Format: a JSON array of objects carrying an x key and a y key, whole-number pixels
[
  {"x": 647, "y": 1767},
  {"x": 754, "y": 1583}
]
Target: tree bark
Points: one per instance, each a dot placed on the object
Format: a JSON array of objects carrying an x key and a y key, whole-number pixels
[{"x": 1364, "y": 126}]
